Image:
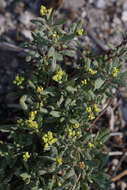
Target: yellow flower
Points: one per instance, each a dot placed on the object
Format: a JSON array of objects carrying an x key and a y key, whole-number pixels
[
  {"x": 96, "y": 109},
  {"x": 71, "y": 133},
  {"x": 59, "y": 183},
  {"x": 32, "y": 115},
  {"x": 59, "y": 160},
  {"x": 20, "y": 122},
  {"x": 49, "y": 139},
  {"x": 58, "y": 76},
  {"x": 26, "y": 156},
  {"x": 40, "y": 89},
  {"x": 78, "y": 133},
  {"x": 76, "y": 125},
  {"x": 88, "y": 109},
  {"x": 115, "y": 72},
  {"x": 55, "y": 35},
  {"x": 92, "y": 72},
  {"x": 91, "y": 117},
  {"x": 18, "y": 80},
  {"x": 80, "y": 32},
  {"x": 90, "y": 144},
  {"x": 32, "y": 124},
  {"x": 84, "y": 82},
  {"x": 41, "y": 104},
  {"x": 44, "y": 11}
]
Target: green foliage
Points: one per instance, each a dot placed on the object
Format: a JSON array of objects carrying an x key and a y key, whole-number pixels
[{"x": 53, "y": 148}]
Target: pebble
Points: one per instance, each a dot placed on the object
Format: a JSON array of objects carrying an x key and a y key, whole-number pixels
[
  {"x": 27, "y": 34},
  {"x": 3, "y": 4},
  {"x": 2, "y": 23},
  {"x": 26, "y": 17},
  {"x": 124, "y": 16},
  {"x": 113, "y": 186},
  {"x": 115, "y": 162},
  {"x": 125, "y": 6},
  {"x": 101, "y": 4}
]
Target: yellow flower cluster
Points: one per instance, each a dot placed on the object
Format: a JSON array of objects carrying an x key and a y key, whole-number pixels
[
  {"x": 84, "y": 82},
  {"x": 80, "y": 32},
  {"x": 81, "y": 165},
  {"x": 115, "y": 72},
  {"x": 76, "y": 125},
  {"x": 44, "y": 11},
  {"x": 88, "y": 109},
  {"x": 59, "y": 183},
  {"x": 18, "y": 80},
  {"x": 32, "y": 115},
  {"x": 26, "y": 156},
  {"x": 31, "y": 123},
  {"x": 73, "y": 133},
  {"x": 39, "y": 89},
  {"x": 59, "y": 160},
  {"x": 90, "y": 144},
  {"x": 58, "y": 76},
  {"x": 96, "y": 109},
  {"x": 20, "y": 122},
  {"x": 49, "y": 139},
  {"x": 55, "y": 35},
  {"x": 92, "y": 72},
  {"x": 91, "y": 116}
]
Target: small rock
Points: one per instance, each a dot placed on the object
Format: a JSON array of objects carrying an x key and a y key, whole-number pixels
[
  {"x": 124, "y": 16},
  {"x": 125, "y": 6},
  {"x": 101, "y": 4},
  {"x": 3, "y": 4},
  {"x": 26, "y": 17},
  {"x": 14, "y": 63},
  {"x": 113, "y": 186},
  {"x": 19, "y": 7},
  {"x": 115, "y": 162},
  {"x": 27, "y": 34}
]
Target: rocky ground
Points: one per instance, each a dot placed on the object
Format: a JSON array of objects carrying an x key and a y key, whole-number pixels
[{"x": 104, "y": 21}]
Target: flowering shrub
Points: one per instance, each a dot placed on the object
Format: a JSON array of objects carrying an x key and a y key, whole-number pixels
[{"x": 54, "y": 147}]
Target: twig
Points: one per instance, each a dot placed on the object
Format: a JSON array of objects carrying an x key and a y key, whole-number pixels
[
  {"x": 117, "y": 153},
  {"x": 73, "y": 188},
  {"x": 102, "y": 112},
  {"x": 116, "y": 178},
  {"x": 120, "y": 162},
  {"x": 116, "y": 134}
]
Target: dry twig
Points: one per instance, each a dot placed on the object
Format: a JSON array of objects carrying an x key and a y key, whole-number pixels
[{"x": 116, "y": 178}]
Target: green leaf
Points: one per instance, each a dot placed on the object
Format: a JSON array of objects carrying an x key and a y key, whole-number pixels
[
  {"x": 79, "y": 25},
  {"x": 60, "y": 21},
  {"x": 7, "y": 128},
  {"x": 60, "y": 101},
  {"x": 98, "y": 83},
  {"x": 47, "y": 158},
  {"x": 25, "y": 176},
  {"x": 55, "y": 113},
  {"x": 105, "y": 160},
  {"x": 71, "y": 89},
  {"x": 51, "y": 52},
  {"x": 53, "y": 64},
  {"x": 59, "y": 57},
  {"x": 69, "y": 53},
  {"x": 43, "y": 110},
  {"x": 73, "y": 121},
  {"x": 31, "y": 84},
  {"x": 67, "y": 38},
  {"x": 28, "y": 58},
  {"x": 23, "y": 102},
  {"x": 67, "y": 102}
]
